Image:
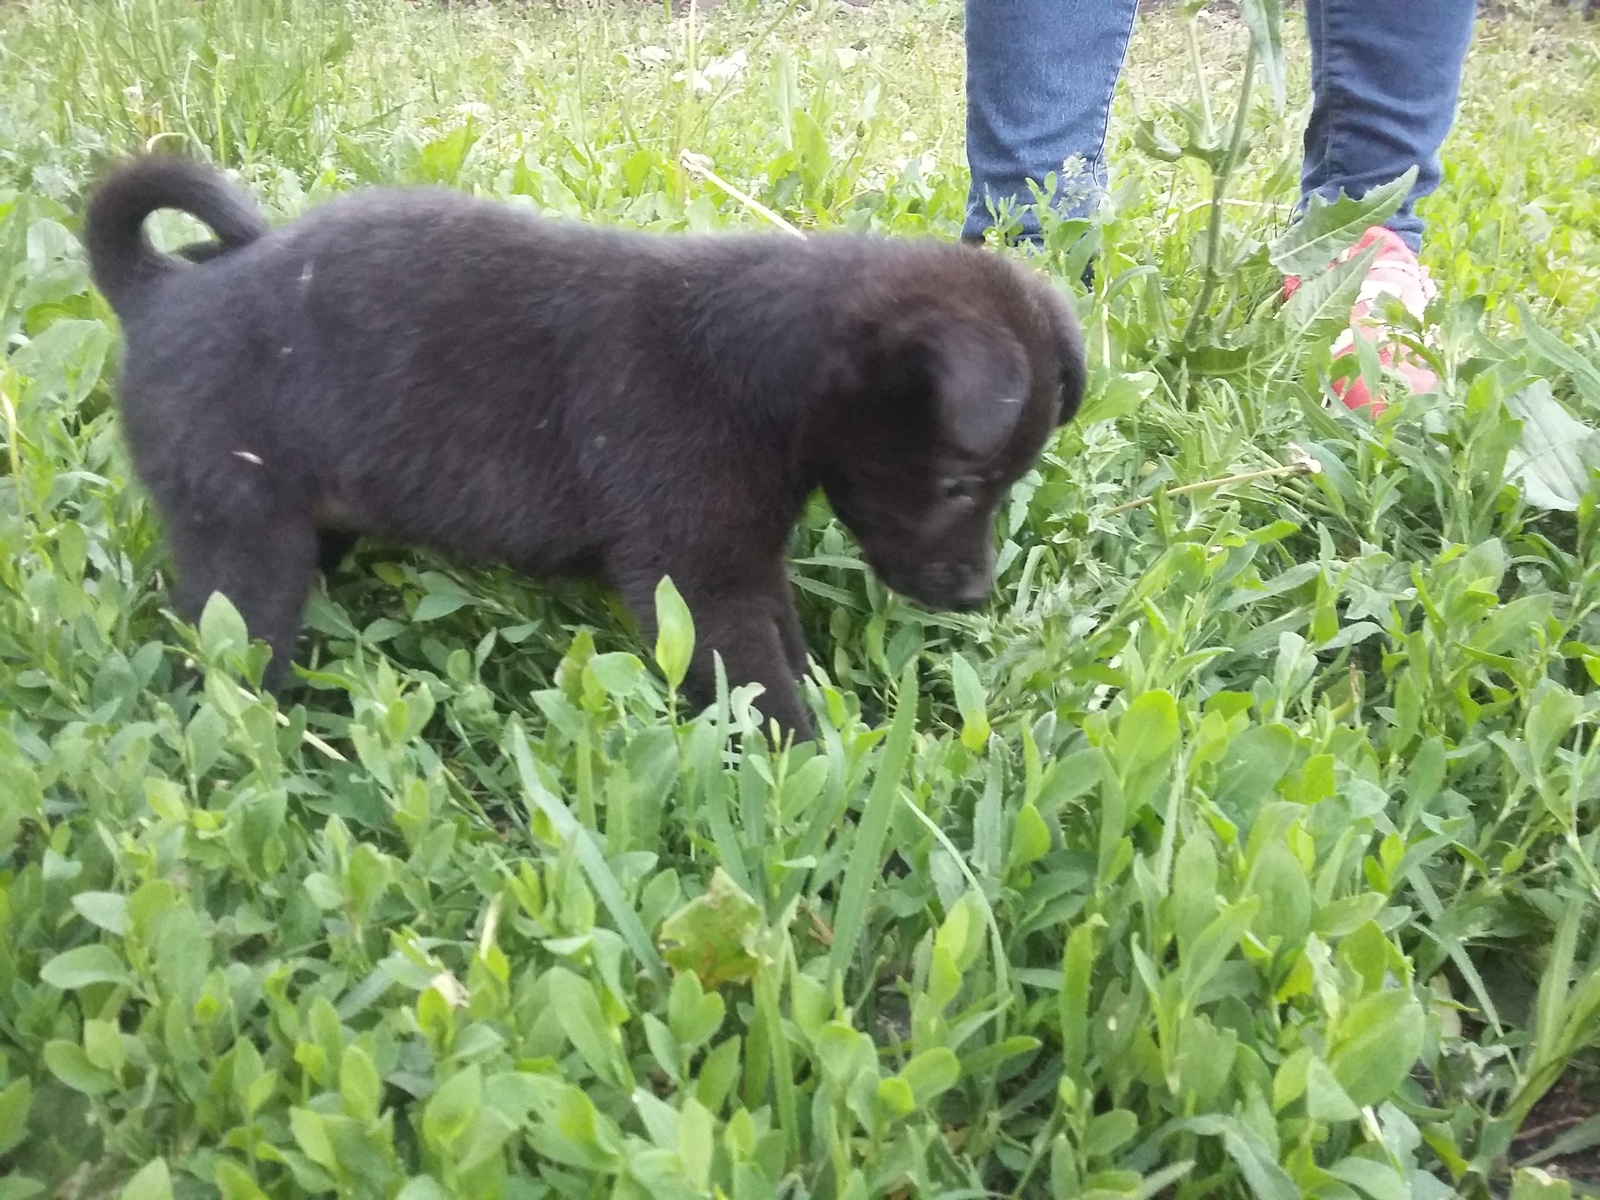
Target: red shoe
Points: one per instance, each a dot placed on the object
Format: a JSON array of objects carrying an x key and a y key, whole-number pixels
[{"x": 1395, "y": 272}]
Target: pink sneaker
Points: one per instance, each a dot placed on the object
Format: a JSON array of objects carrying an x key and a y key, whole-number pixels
[{"x": 1395, "y": 272}]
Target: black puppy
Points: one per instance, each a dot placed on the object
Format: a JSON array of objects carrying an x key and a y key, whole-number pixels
[{"x": 438, "y": 370}]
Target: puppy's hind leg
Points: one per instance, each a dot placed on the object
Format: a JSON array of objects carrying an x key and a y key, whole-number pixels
[{"x": 261, "y": 559}]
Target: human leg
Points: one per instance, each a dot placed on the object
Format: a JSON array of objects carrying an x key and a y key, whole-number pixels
[
  {"x": 1040, "y": 77},
  {"x": 1385, "y": 78}
]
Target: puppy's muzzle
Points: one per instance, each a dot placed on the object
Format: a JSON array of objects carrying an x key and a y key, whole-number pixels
[{"x": 960, "y": 587}]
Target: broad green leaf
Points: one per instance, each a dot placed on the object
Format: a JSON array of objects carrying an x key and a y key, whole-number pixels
[
  {"x": 1377, "y": 1180},
  {"x": 182, "y": 953},
  {"x": 1147, "y": 739},
  {"x": 1280, "y": 883},
  {"x": 102, "y": 1045},
  {"x": 1552, "y": 460},
  {"x": 1030, "y": 838},
  {"x": 441, "y": 160},
  {"x": 234, "y": 1182},
  {"x": 1109, "y": 1132},
  {"x": 1531, "y": 1183},
  {"x": 1325, "y": 1099},
  {"x": 83, "y": 967},
  {"x": 1194, "y": 888},
  {"x": 1248, "y": 776},
  {"x": 311, "y": 1135},
  {"x": 1215, "y": 943},
  {"x": 842, "y": 1054},
  {"x": 660, "y": 1118},
  {"x": 1112, "y": 394},
  {"x": 960, "y": 934},
  {"x": 64, "y": 361},
  {"x": 694, "y": 1014},
  {"x": 1147, "y": 732},
  {"x": 970, "y": 703},
  {"x": 674, "y": 633},
  {"x": 1076, "y": 970},
  {"x": 1585, "y": 373},
  {"x": 1549, "y": 720},
  {"x": 438, "y": 604},
  {"x": 664, "y": 1047},
  {"x": 1321, "y": 306},
  {"x": 718, "y": 1072},
  {"x": 1065, "y": 1178},
  {"x": 108, "y": 910},
  {"x": 451, "y": 1110},
  {"x": 151, "y": 1182},
  {"x": 222, "y": 629},
  {"x": 992, "y": 1057},
  {"x": 1366, "y": 951},
  {"x": 578, "y": 1011},
  {"x": 1207, "y": 1059},
  {"x": 931, "y": 1073},
  {"x": 1289, "y": 1084},
  {"x": 69, "y": 1064},
  {"x": 619, "y": 673},
  {"x": 1378, "y": 1041},
  {"x": 714, "y": 935},
  {"x": 696, "y": 1146},
  {"x": 1344, "y": 917},
  {"x": 1255, "y": 1160},
  {"x": 359, "y": 1084},
  {"x": 15, "y": 1102},
  {"x": 368, "y": 875},
  {"x": 896, "y": 1098},
  {"x": 809, "y": 1003},
  {"x": 1329, "y": 228},
  {"x": 1556, "y": 452}
]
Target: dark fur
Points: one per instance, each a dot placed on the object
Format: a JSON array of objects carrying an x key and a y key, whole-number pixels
[{"x": 444, "y": 371}]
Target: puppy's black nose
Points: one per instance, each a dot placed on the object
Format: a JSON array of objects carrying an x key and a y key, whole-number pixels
[{"x": 972, "y": 594}]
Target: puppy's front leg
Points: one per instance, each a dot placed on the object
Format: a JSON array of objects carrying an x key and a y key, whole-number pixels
[
  {"x": 739, "y": 623},
  {"x": 793, "y": 636},
  {"x": 754, "y": 649}
]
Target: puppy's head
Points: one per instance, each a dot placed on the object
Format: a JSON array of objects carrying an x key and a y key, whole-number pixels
[{"x": 953, "y": 395}]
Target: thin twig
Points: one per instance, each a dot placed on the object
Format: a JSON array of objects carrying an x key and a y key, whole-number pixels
[
  {"x": 306, "y": 735},
  {"x": 1303, "y": 464},
  {"x": 699, "y": 166},
  {"x": 1555, "y": 1126},
  {"x": 820, "y": 930}
]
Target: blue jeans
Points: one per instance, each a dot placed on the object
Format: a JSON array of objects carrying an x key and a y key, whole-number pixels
[{"x": 1385, "y": 75}]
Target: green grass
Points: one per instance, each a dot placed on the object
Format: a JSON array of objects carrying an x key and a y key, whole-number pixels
[{"x": 1249, "y": 839}]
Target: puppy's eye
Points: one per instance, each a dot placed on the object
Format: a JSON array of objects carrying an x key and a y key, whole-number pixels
[{"x": 958, "y": 489}]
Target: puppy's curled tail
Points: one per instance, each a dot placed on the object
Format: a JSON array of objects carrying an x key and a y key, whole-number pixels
[{"x": 122, "y": 262}]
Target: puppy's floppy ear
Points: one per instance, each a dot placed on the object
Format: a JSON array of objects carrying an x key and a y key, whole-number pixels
[
  {"x": 980, "y": 383},
  {"x": 1068, "y": 337}
]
